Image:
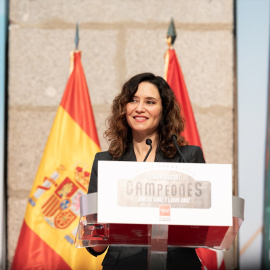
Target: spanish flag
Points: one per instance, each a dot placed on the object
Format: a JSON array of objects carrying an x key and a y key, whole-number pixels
[
  {"x": 49, "y": 228},
  {"x": 175, "y": 79},
  {"x": 210, "y": 259}
]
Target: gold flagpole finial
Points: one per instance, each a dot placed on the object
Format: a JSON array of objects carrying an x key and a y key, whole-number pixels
[{"x": 171, "y": 34}]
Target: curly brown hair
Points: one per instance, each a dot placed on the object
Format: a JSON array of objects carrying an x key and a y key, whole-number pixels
[{"x": 119, "y": 133}]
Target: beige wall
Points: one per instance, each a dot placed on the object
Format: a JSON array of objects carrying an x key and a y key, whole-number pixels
[{"x": 118, "y": 39}]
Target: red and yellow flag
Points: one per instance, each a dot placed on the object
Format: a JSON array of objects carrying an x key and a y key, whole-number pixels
[
  {"x": 210, "y": 259},
  {"x": 49, "y": 229},
  {"x": 175, "y": 78}
]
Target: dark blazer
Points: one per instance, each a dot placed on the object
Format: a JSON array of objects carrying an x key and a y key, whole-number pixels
[{"x": 136, "y": 257}]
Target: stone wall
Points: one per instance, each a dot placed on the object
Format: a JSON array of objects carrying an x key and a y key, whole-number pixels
[{"x": 118, "y": 39}]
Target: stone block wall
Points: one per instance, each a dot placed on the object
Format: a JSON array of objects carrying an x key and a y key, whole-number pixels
[{"x": 118, "y": 39}]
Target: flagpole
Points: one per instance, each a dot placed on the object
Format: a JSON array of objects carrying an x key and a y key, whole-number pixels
[{"x": 77, "y": 38}]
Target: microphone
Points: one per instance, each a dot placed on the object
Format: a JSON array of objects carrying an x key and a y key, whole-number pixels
[
  {"x": 174, "y": 138},
  {"x": 148, "y": 142}
]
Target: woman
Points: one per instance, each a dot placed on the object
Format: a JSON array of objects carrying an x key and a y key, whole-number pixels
[{"x": 145, "y": 109}]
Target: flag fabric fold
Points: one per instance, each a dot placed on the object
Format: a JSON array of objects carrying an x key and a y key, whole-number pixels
[
  {"x": 49, "y": 228},
  {"x": 210, "y": 259}
]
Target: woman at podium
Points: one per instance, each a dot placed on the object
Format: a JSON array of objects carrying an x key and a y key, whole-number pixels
[{"x": 145, "y": 115}]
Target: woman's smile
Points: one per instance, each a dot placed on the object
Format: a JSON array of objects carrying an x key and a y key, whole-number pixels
[
  {"x": 144, "y": 111},
  {"x": 140, "y": 118}
]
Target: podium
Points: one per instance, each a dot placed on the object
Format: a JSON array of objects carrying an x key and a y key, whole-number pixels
[{"x": 205, "y": 190}]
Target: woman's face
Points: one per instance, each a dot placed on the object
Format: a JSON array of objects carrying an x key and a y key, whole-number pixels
[{"x": 144, "y": 112}]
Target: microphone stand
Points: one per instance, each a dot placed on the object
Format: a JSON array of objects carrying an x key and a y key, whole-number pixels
[
  {"x": 148, "y": 142},
  {"x": 174, "y": 138}
]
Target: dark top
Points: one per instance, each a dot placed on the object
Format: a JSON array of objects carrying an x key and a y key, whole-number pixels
[{"x": 136, "y": 257}]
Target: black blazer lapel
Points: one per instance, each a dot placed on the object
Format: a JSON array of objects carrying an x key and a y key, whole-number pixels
[
  {"x": 129, "y": 155},
  {"x": 160, "y": 157}
]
